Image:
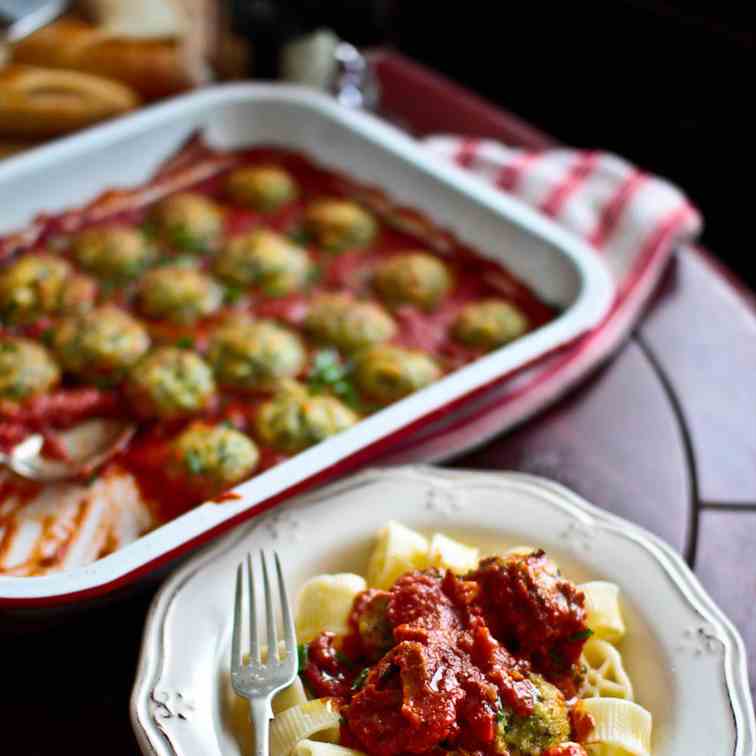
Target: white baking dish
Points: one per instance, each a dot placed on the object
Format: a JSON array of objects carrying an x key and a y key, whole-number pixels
[{"x": 560, "y": 268}]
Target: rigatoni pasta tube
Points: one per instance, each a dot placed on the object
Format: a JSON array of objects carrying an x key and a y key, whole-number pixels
[
  {"x": 324, "y": 604},
  {"x": 622, "y": 728},
  {"x": 302, "y": 722},
  {"x": 314, "y": 748},
  {"x": 448, "y": 554},
  {"x": 604, "y": 614},
  {"x": 398, "y": 550}
]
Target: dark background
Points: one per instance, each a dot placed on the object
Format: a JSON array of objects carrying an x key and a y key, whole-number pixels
[{"x": 668, "y": 85}]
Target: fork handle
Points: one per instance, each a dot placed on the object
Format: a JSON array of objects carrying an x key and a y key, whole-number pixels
[{"x": 260, "y": 714}]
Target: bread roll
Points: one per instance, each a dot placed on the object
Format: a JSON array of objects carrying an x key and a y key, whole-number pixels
[
  {"x": 42, "y": 102},
  {"x": 154, "y": 68}
]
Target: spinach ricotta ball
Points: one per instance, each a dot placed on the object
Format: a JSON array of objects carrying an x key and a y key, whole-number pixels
[
  {"x": 170, "y": 383},
  {"x": 188, "y": 222},
  {"x": 339, "y": 224},
  {"x": 547, "y": 726},
  {"x": 489, "y": 323},
  {"x": 348, "y": 324},
  {"x": 386, "y": 373},
  {"x": 179, "y": 294},
  {"x": 266, "y": 261},
  {"x": 78, "y": 295},
  {"x": 32, "y": 287},
  {"x": 115, "y": 253},
  {"x": 294, "y": 419},
  {"x": 26, "y": 369},
  {"x": 100, "y": 345},
  {"x": 414, "y": 278},
  {"x": 211, "y": 458},
  {"x": 264, "y": 188},
  {"x": 249, "y": 355}
]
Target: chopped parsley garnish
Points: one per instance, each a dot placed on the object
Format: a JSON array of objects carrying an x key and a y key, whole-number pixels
[
  {"x": 329, "y": 375},
  {"x": 302, "y": 657},
  {"x": 299, "y": 235},
  {"x": 580, "y": 635},
  {"x": 185, "y": 342},
  {"x": 48, "y": 336},
  {"x": 182, "y": 238},
  {"x": 359, "y": 681},
  {"x": 233, "y": 294},
  {"x": 193, "y": 462},
  {"x": 343, "y": 659},
  {"x": 150, "y": 229}
]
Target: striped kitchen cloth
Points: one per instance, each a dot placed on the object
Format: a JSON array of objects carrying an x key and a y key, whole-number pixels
[{"x": 632, "y": 218}]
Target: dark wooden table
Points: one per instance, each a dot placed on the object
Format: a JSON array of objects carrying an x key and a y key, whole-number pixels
[{"x": 664, "y": 435}]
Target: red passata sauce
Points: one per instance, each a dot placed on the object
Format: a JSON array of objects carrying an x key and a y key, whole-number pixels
[
  {"x": 202, "y": 170},
  {"x": 436, "y": 661}
]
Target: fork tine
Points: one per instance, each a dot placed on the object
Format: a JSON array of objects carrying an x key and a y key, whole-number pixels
[
  {"x": 270, "y": 616},
  {"x": 236, "y": 637},
  {"x": 254, "y": 639},
  {"x": 288, "y": 624}
]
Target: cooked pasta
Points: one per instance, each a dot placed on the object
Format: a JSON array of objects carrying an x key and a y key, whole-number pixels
[
  {"x": 520, "y": 550},
  {"x": 302, "y": 722},
  {"x": 290, "y": 697},
  {"x": 604, "y": 614},
  {"x": 622, "y": 728},
  {"x": 452, "y": 555},
  {"x": 324, "y": 603},
  {"x": 314, "y": 748},
  {"x": 398, "y": 550},
  {"x": 440, "y": 650},
  {"x": 605, "y": 675}
]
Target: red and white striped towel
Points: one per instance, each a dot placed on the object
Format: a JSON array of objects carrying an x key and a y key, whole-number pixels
[{"x": 633, "y": 219}]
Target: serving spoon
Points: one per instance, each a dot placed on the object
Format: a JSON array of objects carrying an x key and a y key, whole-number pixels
[{"x": 88, "y": 446}]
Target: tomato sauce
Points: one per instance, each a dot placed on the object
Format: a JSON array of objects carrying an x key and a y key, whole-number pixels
[
  {"x": 447, "y": 657},
  {"x": 200, "y": 169}
]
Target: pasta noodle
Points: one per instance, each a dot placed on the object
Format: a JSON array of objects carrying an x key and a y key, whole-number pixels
[
  {"x": 622, "y": 728},
  {"x": 289, "y": 697},
  {"x": 313, "y": 748},
  {"x": 398, "y": 550},
  {"x": 300, "y": 723},
  {"x": 521, "y": 550},
  {"x": 452, "y": 555},
  {"x": 604, "y": 615},
  {"x": 605, "y": 676},
  {"x": 324, "y": 604}
]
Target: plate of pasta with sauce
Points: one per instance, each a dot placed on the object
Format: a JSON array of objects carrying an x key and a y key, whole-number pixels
[{"x": 444, "y": 613}]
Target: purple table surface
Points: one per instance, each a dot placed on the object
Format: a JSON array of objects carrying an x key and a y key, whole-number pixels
[{"x": 664, "y": 435}]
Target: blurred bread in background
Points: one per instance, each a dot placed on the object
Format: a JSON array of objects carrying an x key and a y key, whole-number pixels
[
  {"x": 41, "y": 102},
  {"x": 153, "y": 67},
  {"x": 105, "y": 58}
]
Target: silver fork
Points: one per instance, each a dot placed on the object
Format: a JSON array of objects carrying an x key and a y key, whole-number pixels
[{"x": 257, "y": 680}]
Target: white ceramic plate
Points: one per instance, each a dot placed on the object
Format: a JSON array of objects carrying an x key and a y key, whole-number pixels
[
  {"x": 685, "y": 658},
  {"x": 558, "y": 266}
]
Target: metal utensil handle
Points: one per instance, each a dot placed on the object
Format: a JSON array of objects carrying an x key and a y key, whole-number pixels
[{"x": 260, "y": 714}]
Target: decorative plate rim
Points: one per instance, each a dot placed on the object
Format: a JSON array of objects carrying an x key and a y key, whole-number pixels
[{"x": 154, "y": 741}]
